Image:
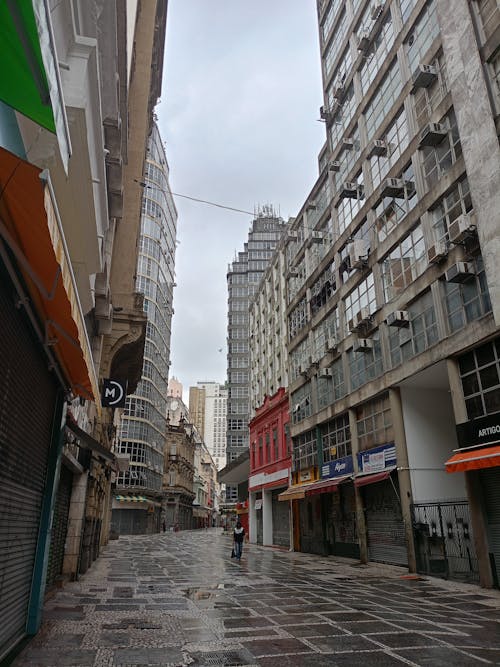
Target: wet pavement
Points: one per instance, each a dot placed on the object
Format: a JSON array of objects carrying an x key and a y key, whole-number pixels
[{"x": 178, "y": 599}]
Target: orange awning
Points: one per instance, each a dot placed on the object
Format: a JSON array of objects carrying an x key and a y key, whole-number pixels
[
  {"x": 30, "y": 227},
  {"x": 474, "y": 459},
  {"x": 293, "y": 493}
]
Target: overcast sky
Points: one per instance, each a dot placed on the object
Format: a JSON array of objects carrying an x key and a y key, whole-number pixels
[{"x": 239, "y": 115}]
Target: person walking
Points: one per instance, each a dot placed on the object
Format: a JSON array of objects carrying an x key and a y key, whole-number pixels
[{"x": 238, "y": 537}]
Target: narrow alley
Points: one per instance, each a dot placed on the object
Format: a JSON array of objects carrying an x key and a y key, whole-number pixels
[{"x": 178, "y": 599}]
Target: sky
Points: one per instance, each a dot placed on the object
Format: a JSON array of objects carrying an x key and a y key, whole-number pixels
[{"x": 239, "y": 117}]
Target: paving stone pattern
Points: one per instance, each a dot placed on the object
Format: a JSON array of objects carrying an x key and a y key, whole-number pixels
[{"x": 178, "y": 599}]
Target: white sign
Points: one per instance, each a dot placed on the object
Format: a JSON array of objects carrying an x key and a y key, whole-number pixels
[{"x": 375, "y": 462}]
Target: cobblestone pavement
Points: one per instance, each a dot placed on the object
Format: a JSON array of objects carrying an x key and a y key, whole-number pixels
[{"x": 178, "y": 599}]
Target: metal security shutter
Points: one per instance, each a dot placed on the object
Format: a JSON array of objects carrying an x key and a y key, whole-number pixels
[
  {"x": 281, "y": 521},
  {"x": 384, "y": 523},
  {"x": 59, "y": 526},
  {"x": 490, "y": 482},
  {"x": 27, "y": 403}
]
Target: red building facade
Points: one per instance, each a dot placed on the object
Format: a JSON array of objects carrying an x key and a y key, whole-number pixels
[{"x": 270, "y": 462}]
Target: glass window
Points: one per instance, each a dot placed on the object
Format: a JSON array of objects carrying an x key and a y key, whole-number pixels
[
  {"x": 420, "y": 334},
  {"x": 336, "y": 438},
  {"x": 425, "y": 30},
  {"x": 480, "y": 374},
  {"x": 383, "y": 99},
  {"x": 305, "y": 451},
  {"x": 467, "y": 301},
  {"x": 362, "y": 296},
  {"x": 365, "y": 365},
  {"x": 374, "y": 423},
  {"x": 438, "y": 159},
  {"x": 404, "y": 264}
]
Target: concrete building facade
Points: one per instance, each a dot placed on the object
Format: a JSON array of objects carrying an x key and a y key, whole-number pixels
[
  {"x": 243, "y": 277},
  {"x": 137, "y": 504},
  {"x": 208, "y": 410},
  {"x": 393, "y": 296}
]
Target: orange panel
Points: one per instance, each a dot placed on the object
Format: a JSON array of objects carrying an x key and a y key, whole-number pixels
[{"x": 474, "y": 459}]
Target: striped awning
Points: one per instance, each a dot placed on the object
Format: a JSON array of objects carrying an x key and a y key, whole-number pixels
[{"x": 131, "y": 499}]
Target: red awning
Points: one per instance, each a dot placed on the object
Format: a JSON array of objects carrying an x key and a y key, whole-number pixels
[
  {"x": 474, "y": 459},
  {"x": 29, "y": 226},
  {"x": 363, "y": 480},
  {"x": 325, "y": 485}
]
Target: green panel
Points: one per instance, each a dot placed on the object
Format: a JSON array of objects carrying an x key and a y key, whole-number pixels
[{"x": 23, "y": 83}]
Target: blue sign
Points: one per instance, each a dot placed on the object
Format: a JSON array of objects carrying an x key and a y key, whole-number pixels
[
  {"x": 378, "y": 458},
  {"x": 337, "y": 468}
]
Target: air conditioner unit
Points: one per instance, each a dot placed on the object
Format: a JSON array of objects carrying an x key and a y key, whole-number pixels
[
  {"x": 461, "y": 272},
  {"x": 364, "y": 41},
  {"x": 376, "y": 10},
  {"x": 461, "y": 228},
  {"x": 352, "y": 190},
  {"x": 293, "y": 274},
  {"x": 338, "y": 89},
  {"x": 353, "y": 325},
  {"x": 357, "y": 254},
  {"x": 437, "y": 252},
  {"x": 316, "y": 237},
  {"x": 311, "y": 205},
  {"x": 393, "y": 187},
  {"x": 363, "y": 316},
  {"x": 331, "y": 343},
  {"x": 334, "y": 165},
  {"x": 292, "y": 236},
  {"x": 363, "y": 345},
  {"x": 424, "y": 76},
  {"x": 347, "y": 143},
  {"x": 399, "y": 318},
  {"x": 377, "y": 147},
  {"x": 432, "y": 135},
  {"x": 325, "y": 373}
]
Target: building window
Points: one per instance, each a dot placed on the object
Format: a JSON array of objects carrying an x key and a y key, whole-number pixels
[
  {"x": 437, "y": 160},
  {"x": 339, "y": 386},
  {"x": 305, "y": 451},
  {"x": 276, "y": 444},
  {"x": 383, "y": 100},
  {"x": 425, "y": 30},
  {"x": 421, "y": 333},
  {"x": 374, "y": 423},
  {"x": 489, "y": 12},
  {"x": 335, "y": 43},
  {"x": 348, "y": 208},
  {"x": 298, "y": 318},
  {"x": 466, "y": 302},
  {"x": 362, "y": 297},
  {"x": 404, "y": 264},
  {"x": 343, "y": 116},
  {"x": 301, "y": 403},
  {"x": 379, "y": 48},
  {"x": 480, "y": 374},
  {"x": 427, "y": 99},
  {"x": 336, "y": 438},
  {"x": 365, "y": 365},
  {"x": 323, "y": 289},
  {"x": 397, "y": 140},
  {"x": 456, "y": 202},
  {"x": 392, "y": 210},
  {"x": 407, "y": 8}
]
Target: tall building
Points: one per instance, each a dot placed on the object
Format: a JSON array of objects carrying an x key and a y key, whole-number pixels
[
  {"x": 137, "y": 508},
  {"x": 243, "y": 277},
  {"x": 208, "y": 410},
  {"x": 393, "y": 292}
]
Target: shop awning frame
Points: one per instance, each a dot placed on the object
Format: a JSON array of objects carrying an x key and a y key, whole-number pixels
[
  {"x": 86, "y": 441},
  {"x": 373, "y": 477},
  {"x": 474, "y": 459},
  {"x": 293, "y": 493},
  {"x": 326, "y": 485},
  {"x": 31, "y": 228}
]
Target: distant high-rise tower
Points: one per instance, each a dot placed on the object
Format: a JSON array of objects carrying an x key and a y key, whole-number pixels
[
  {"x": 208, "y": 411},
  {"x": 243, "y": 277},
  {"x": 144, "y": 423}
]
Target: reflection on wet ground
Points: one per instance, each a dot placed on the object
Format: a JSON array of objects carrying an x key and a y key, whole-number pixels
[{"x": 178, "y": 598}]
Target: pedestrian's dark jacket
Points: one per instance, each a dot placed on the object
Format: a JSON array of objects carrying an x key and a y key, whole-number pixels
[{"x": 239, "y": 534}]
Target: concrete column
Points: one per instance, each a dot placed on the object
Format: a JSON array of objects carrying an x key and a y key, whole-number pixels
[
  {"x": 472, "y": 483},
  {"x": 481, "y": 151},
  {"x": 252, "y": 517},
  {"x": 267, "y": 518},
  {"x": 75, "y": 525},
  {"x": 360, "y": 509},
  {"x": 405, "y": 491}
]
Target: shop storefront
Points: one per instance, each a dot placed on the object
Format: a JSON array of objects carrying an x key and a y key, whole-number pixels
[
  {"x": 378, "y": 483},
  {"x": 479, "y": 457}
]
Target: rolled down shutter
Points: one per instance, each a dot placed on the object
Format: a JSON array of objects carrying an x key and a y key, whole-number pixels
[
  {"x": 385, "y": 526},
  {"x": 27, "y": 403},
  {"x": 490, "y": 483}
]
